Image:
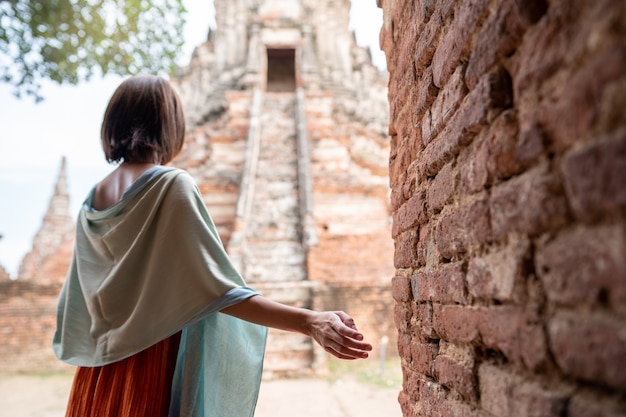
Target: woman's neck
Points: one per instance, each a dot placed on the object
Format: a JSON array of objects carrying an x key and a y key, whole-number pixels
[{"x": 111, "y": 189}]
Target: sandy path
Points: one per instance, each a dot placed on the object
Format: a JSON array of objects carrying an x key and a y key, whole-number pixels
[{"x": 45, "y": 396}]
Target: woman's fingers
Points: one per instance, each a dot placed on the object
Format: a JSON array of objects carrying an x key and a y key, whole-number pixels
[
  {"x": 347, "y": 342},
  {"x": 336, "y": 332},
  {"x": 346, "y": 319}
]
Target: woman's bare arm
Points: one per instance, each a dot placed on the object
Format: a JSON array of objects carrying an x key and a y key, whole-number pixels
[{"x": 333, "y": 330}]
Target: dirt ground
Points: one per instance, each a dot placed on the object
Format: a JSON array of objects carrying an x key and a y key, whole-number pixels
[{"x": 339, "y": 396}]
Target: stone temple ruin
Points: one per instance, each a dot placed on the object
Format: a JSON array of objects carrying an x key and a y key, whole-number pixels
[{"x": 287, "y": 140}]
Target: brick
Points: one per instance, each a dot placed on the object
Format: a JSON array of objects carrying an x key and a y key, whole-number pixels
[
  {"x": 462, "y": 228},
  {"x": 398, "y": 167},
  {"x": 455, "y": 323},
  {"x": 395, "y": 142},
  {"x": 427, "y": 43},
  {"x": 399, "y": 103},
  {"x": 500, "y": 275},
  {"x": 503, "y": 160},
  {"x": 594, "y": 177},
  {"x": 397, "y": 195},
  {"x": 444, "y": 285},
  {"x": 422, "y": 246},
  {"x": 456, "y": 375},
  {"x": 442, "y": 188},
  {"x": 445, "y": 9},
  {"x": 501, "y": 34},
  {"x": 480, "y": 106},
  {"x": 404, "y": 28},
  {"x": 585, "y": 404},
  {"x": 588, "y": 347},
  {"x": 401, "y": 289},
  {"x": 455, "y": 44},
  {"x": 426, "y": 92},
  {"x": 402, "y": 81},
  {"x": 472, "y": 164},
  {"x": 426, "y": 126},
  {"x": 406, "y": 405},
  {"x": 409, "y": 186},
  {"x": 435, "y": 400},
  {"x": 453, "y": 408},
  {"x": 410, "y": 214},
  {"x": 402, "y": 314},
  {"x": 422, "y": 12},
  {"x": 613, "y": 101},
  {"x": 404, "y": 345},
  {"x": 584, "y": 265},
  {"x": 571, "y": 112},
  {"x": 541, "y": 53},
  {"x": 530, "y": 203},
  {"x": 531, "y": 140},
  {"x": 446, "y": 103},
  {"x": 405, "y": 245},
  {"x": 423, "y": 357},
  {"x": 505, "y": 393},
  {"x": 431, "y": 397},
  {"x": 411, "y": 382},
  {"x": 407, "y": 122},
  {"x": 423, "y": 314},
  {"x": 517, "y": 332}
]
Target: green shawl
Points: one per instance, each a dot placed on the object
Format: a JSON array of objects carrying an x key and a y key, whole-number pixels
[{"x": 150, "y": 266}]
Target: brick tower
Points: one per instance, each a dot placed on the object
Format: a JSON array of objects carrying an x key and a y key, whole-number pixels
[
  {"x": 49, "y": 258},
  {"x": 287, "y": 122}
]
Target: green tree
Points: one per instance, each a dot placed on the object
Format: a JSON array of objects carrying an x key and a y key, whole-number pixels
[{"x": 67, "y": 41}]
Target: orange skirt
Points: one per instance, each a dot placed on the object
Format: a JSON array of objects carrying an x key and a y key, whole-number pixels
[{"x": 134, "y": 387}]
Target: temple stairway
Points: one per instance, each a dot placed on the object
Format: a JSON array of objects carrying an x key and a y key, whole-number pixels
[
  {"x": 273, "y": 231},
  {"x": 273, "y": 257}
]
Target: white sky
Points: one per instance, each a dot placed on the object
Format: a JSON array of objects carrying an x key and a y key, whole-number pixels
[{"x": 34, "y": 137}]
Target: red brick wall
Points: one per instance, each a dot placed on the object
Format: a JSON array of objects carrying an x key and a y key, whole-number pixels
[
  {"x": 27, "y": 324},
  {"x": 508, "y": 176}
]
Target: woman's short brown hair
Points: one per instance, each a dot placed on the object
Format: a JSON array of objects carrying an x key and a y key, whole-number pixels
[{"x": 144, "y": 122}]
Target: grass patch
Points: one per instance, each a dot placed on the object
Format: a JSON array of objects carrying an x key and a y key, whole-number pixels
[{"x": 370, "y": 371}]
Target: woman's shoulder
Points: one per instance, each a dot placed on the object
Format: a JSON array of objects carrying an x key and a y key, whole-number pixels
[{"x": 180, "y": 179}]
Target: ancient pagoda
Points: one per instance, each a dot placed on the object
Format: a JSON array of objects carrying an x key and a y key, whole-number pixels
[{"x": 287, "y": 140}]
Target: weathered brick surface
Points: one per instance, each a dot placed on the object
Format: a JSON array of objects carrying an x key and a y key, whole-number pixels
[
  {"x": 500, "y": 275},
  {"x": 460, "y": 229},
  {"x": 592, "y": 348},
  {"x": 455, "y": 45},
  {"x": 528, "y": 204},
  {"x": 585, "y": 266},
  {"x": 27, "y": 320},
  {"x": 501, "y": 34},
  {"x": 456, "y": 375},
  {"x": 442, "y": 188},
  {"x": 445, "y": 285},
  {"x": 594, "y": 177},
  {"x": 510, "y": 212},
  {"x": 506, "y": 393}
]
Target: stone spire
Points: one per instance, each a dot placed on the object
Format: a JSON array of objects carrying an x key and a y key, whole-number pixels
[{"x": 47, "y": 261}]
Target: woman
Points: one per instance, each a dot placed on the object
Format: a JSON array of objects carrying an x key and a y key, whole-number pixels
[{"x": 152, "y": 311}]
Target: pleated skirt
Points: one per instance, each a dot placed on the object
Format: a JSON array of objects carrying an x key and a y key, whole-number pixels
[{"x": 134, "y": 387}]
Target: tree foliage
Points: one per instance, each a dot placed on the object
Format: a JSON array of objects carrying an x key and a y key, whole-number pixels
[{"x": 67, "y": 41}]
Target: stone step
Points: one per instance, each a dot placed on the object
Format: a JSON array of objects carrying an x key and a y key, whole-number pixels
[{"x": 274, "y": 230}]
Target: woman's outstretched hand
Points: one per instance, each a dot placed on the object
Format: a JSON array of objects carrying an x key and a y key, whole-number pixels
[
  {"x": 333, "y": 330},
  {"x": 336, "y": 332}
]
